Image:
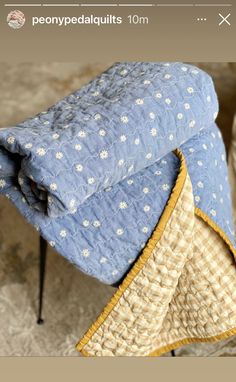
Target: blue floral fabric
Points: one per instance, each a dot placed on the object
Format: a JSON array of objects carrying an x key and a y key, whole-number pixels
[{"x": 94, "y": 172}]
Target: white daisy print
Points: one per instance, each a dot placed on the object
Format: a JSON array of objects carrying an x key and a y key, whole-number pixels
[
  {"x": 192, "y": 123},
  {"x": 91, "y": 180},
  {"x": 2, "y": 183},
  {"x": 123, "y": 72},
  {"x": 52, "y": 243},
  {"x": 115, "y": 272},
  {"x": 79, "y": 167},
  {"x": 167, "y": 76},
  {"x": 97, "y": 116},
  {"x": 41, "y": 152},
  {"x": 165, "y": 187},
  {"x": 46, "y": 122},
  {"x": 214, "y": 195},
  {"x": 85, "y": 223},
  {"x": 123, "y": 138},
  {"x": 184, "y": 68},
  {"x": 199, "y": 162},
  {"x": 78, "y": 147},
  {"x": 145, "y": 229},
  {"x": 96, "y": 223},
  {"x": 28, "y": 145},
  {"x": 145, "y": 190},
  {"x": 55, "y": 136},
  {"x": 63, "y": 233},
  {"x": 197, "y": 198},
  {"x": 53, "y": 186},
  {"x": 158, "y": 95},
  {"x": 124, "y": 119},
  {"x": 152, "y": 115},
  {"x": 158, "y": 173},
  {"x": 103, "y": 154},
  {"x": 59, "y": 155},
  {"x": 168, "y": 101},
  {"x": 103, "y": 260},
  {"x": 204, "y": 146},
  {"x": 195, "y": 71},
  {"x": 208, "y": 98},
  {"x": 139, "y": 101},
  {"x": 130, "y": 261},
  {"x": 171, "y": 137},
  {"x": 130, "y": 168},
  {"x": 213, "y": 212},
  {"x": 149, "y": 156},
  {"x": 146, "y": 208},
  {"x": 136, "y": 141},
  {"x": 179, "y": 116},
  {"x": 85, "y": 253},
  {"x": 72, "y": 203},
  {"x": 119, "y": 231},
  {"x": 96, "y": 94},
  {"x": 146, "y": 82},
  {"x": 102, "y": 132},
  {"x": 121, "y": 162},
  {"x": 190, "y": 90},
  {"x": 82, "y": 134},
  {"x": 186, "y": 106},
  {"x": 191, "y": 150},
  {"x": 200, "y": 184},
  {"x": 130, "y": 181},
  {"x": 153, "y": 132},
  {"x": 123, "y": 205}
]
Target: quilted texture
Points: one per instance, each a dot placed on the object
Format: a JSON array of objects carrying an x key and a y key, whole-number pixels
[
  {"x": 181, "y": 290},
  {"x": 94, "y": 172}
]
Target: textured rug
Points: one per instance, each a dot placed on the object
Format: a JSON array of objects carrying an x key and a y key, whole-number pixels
[{"x": 72, "y": 300}]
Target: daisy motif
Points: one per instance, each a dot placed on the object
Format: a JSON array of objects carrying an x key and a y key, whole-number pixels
[
  {"x": 186, "y": 106},
  {"x": 91, "y": 180},
  {"x": 52, "y": 243},
  {"x": 171, "y": 137},
  {"x": 152, "y": 115},
  {"x": 130, "y": 181},
  {"x": 199, "y": 162},
  {"x": 153, "y": 132},
  {"x": 149, "y": 155},
  {"x": 103, "y": 154},
  {"x": 139, "y": 101},
  {"x": 79, "y": 167},
  {"x": 223, "y": 157},
  {"x": 214, "y": 195},
  {"x": 46, "y": 122},
  {"x": 195, "y": 71},
  {"x": 145, "y": 190},
  {"x": 190, "y": 90},
  {"x": 197, "y": 198},
  {"x": 97, "y": 116},
  {"x": 123, "y": 205},
  {"x": 95, "y": 94},
  {"x": 213, "y": 212},
  {"x": 123, "y": 138},
  {"x": 102, "y": 132},
  {"x": 204, "y": 146},
  {"x": 85, "y": 253},
  {"x": 165, "y": 187},
  {"x": 59, "y": 155},
  {"x": 200, "y": 184},
  {"x": 191, "y": 150},
  {"x": 103, "y": 260},
  {"x": 130, "y": 261},
  {"x": 158, "y": 95},
  {"x": 146, "y": 82},
  {"x": 96, "y": 223},
  {"x": 158, "y": 173},
  {"x": 167, "y": 76},
  {"x": 124, "y": 119},
  {"x": 41, "y": 152},
  {"x": 208, "y": 98},
  {"x": 85, "y": 223},
  {"x": 121, "y": 162},
  {"x": 53, "y": 186},
  {"x": 145, "y": 229},
  {"x": 2, "y": 183},
  {"x": 28, "y": 145},
  {"x": 119, "y": 231},
  {"x": 168, "y": 101},
  {"x": 63, "y": 233},
  {"x": 55, "y": 136},
  {"x": 136, "y": 141},
  {"x": 123, "y": 72},
  {"x": 180, "y": 116},
  {"x": 82, "y": 134},
  {"x": 66, "y": 126},
  {"x": 130, "y": 168},
  {"x": 78, "y": 147},
  {"x": 114, "y": 272},
  {"x": 192, "y": 123},
  {"x": 146, "y": 208},
  {"x": 184, "y": 68},
  {"x": 72, "y": 203}
]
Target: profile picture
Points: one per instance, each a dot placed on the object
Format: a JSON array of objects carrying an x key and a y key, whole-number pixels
[{"x": 16, "y": 19}]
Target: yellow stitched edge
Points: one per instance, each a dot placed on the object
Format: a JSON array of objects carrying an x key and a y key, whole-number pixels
[
  {"x": 216, "y": 228},
  {"x": 143, "y": 257},
  {"x": 187, "y": 341}
]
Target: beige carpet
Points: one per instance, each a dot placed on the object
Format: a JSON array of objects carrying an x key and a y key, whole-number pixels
[{"x": 72, "y": 300}]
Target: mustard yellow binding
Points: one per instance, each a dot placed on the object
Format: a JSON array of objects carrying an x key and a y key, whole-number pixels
[{"x": 156, "y": 235}]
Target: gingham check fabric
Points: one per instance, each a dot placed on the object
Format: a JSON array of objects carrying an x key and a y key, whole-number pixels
[{"x": 184, "y": 292}]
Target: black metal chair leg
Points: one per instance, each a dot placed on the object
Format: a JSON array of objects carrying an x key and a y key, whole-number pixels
[
  {"x": 42, "y": 268},
  {"x": 173, "y": 353}
]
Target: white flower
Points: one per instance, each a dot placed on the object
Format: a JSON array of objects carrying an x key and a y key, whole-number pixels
[
  {"x": 163, "y": 161},
  {"x": 103, "y": 154},
  {"x": 165, "y": 187},
  {"x": 72, "y": 203},
  {"x": 146, "y": 208},
  {"x": 191, "y": 150},
  {"x": 85, "y": 223},
  {"x": 52, "y": 243},
  {"x": 96, "y": 223},
  {"x": 139, "y": 101},
  {"x": 130, "y": 181},
  {"x": 131, "y": 168},
  {"x": 194, "y": 71},
  {"x": 95, "y": 94},
  {"x": 171, "y": 137},
  {"x": 145, "y": 229},
  {"x": 123, "y": 72},
  {"x": 114, "y": 272},
  {"x": 53, "y": 186},
  {"x": 78, "y": 147},
  {"x": 149, "y": 155},
  {"x": 136, "y": 141},
  {"x": 124, "y": 119},
  {"x": 180, "y": 116},
  {"x": 213, "y": 212},
  {"x": 82, "y": 134},
  {"x": 85, "y": 253},
  {"x": 2, "y": 183},
  {"x": 152, "y": 115},
  {"x": 79, "y": 167},
  {"x": 158, "y": 95},
  {"x": 214, "y": 195},
  {"x": 167, "y": 76},
  {"x": 186, "y": 106},
  {"x": 59, "y": 155},
  {"x": 158, "y": 172},
  {"x": 168, "y": 101},
  {"x": 199, "y": 162},
  {"x": 208, "y": 98},
  {"x": 145, "y": 190},
  {"x": 119, "y": 231},
  {"x": 123, "y": 138},
  {"x": 97, "y": 116},
  {"x": 130, "y": 261},
  {"x": 184, "y": 68},
  {"x": 153, "y": 132},
  {"x": 55, "y": 136},
  {"x": 146, "y": 82},
  {"x": 102, "y": 132},
  {"x": 46, "y": 122},
  {"x": 204, "y": 146},
  {"x": 103, "y": 260},
  {"x": 41, "y": 152},
  {"x": 197, "y": 198},
  {"x": 63, "y": 233},
  {"x": 190, "y": 90},
  {"x": 28, "y": 145},
  {"x": 123, "y": 205},
  {"x": 192, "y": 123},
  {"x": 223, "y": 157},
  {"x": 66, "y": 126},
  {"x": 91, "y": 180},
  {"x": 121, "y": 162},
  {"x": 200, "y": 184}
]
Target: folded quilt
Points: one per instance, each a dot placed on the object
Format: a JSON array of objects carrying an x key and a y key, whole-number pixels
[{"x": 127, "y": 179}]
